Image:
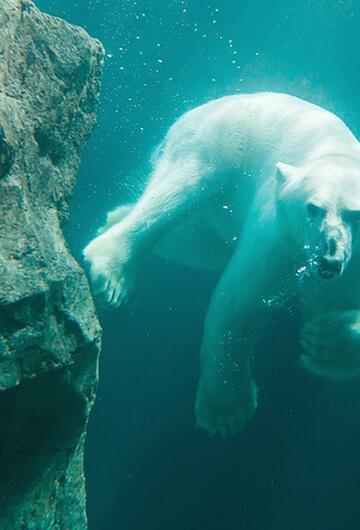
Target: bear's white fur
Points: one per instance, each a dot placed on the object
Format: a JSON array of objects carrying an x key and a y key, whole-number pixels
[{"x": 266, "y": 188}]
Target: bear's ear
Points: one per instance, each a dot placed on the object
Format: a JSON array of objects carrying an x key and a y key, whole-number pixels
[{"x": 284, "y": 172}]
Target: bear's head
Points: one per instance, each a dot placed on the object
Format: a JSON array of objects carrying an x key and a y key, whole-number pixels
[{"x": 321, "y": 204}]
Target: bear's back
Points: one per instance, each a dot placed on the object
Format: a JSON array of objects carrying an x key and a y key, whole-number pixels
[{"x": 254, "y": 129}]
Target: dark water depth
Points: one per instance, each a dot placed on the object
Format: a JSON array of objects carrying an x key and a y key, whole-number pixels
[{"x": 297, "y": 466}]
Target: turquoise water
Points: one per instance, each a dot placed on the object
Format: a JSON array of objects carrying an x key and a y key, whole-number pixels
[{"x": 297, "y": 466}]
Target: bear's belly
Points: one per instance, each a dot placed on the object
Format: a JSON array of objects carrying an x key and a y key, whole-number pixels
[{"x": 204, "y": 241}]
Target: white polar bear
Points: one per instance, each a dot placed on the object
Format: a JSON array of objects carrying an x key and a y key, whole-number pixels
[{"x": 266, "y": 188}]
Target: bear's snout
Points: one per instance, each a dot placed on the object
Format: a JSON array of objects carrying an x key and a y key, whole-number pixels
[
  {"x": 334, "y": 250},
  {"x": 332, "y": 246}
]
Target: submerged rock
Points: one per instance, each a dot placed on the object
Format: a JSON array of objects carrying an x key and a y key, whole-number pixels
[
  {"x": 49, "y": 333},
  {"x": 6, "y": 154}
]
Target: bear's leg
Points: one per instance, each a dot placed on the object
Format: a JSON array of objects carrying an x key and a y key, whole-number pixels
[
  {"x": 175, "y": 190},
  {"x": 226, "y": 396}
]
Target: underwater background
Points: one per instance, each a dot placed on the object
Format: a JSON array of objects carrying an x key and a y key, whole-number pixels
[{"x": 297, "y": 466}]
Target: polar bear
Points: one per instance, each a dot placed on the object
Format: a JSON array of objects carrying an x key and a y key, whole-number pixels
[{"x": 264, "y": 188}]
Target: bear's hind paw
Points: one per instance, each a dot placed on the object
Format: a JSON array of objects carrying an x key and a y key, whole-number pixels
[
  {"x": 217, "y": 414},
  {"x": 225, "y": 425}
]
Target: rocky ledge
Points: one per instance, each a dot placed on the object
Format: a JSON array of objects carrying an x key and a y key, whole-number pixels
[{"x": 49, "y": 333}]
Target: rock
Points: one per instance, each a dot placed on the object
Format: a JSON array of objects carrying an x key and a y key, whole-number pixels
[
  {"x": 49, "y": 333},
  {"x": 6, "y": 154}
]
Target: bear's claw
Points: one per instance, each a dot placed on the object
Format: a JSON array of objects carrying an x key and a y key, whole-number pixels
[
  {"x": 109, "y": 270},
  {"x": 226, "y": 425},
  {"x": 112, "y": 289}
]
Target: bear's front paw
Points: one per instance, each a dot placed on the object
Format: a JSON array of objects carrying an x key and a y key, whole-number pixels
[
  {"x": 225, "y": 408},
  {"x": 112, "y": 276},
  {"x": 331, "y": 344},
  {"x": 112, "y": 286}
]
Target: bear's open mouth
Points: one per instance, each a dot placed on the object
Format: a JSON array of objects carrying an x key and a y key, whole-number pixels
[{"x": 330, "y": 270}]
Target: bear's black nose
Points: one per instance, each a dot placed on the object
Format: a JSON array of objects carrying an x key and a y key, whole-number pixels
[{"x": 330, "y": 267}]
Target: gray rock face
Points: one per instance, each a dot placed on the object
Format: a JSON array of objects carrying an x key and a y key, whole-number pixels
[{"x": 49, "y": 333}]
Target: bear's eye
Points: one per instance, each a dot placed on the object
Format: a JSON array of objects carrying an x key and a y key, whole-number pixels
[{"x": 315, "y": 211}]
